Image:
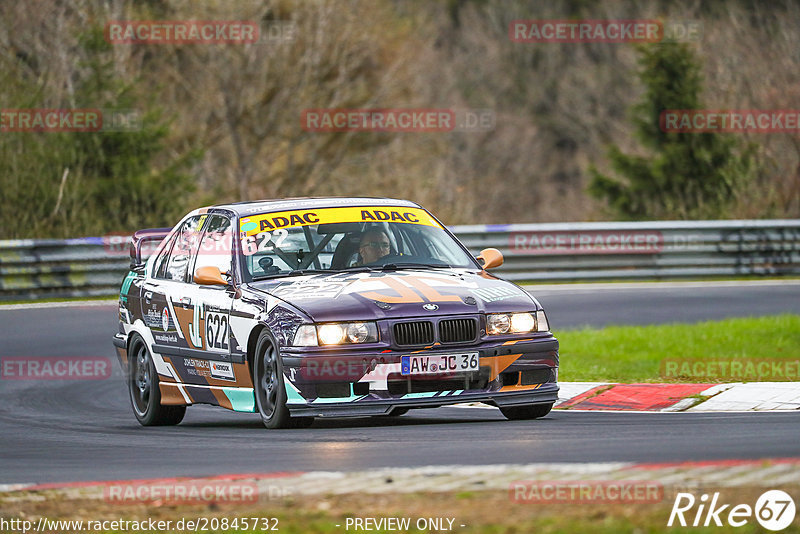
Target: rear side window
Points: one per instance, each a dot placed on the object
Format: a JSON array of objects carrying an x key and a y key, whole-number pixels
[
  {"x": 183, "y": 250},
  {"x": 160, "y": 265}
]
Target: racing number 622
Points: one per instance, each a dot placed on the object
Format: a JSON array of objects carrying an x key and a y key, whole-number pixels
[
  {"x": 263, "y": 241},
  {"x": 216, "y": 331}
]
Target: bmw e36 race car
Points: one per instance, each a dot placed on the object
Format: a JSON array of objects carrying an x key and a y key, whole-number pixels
[{"x": 322, "y": 307}]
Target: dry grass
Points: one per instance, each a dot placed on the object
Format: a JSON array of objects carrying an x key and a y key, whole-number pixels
[{"x": 488, "y": 511}]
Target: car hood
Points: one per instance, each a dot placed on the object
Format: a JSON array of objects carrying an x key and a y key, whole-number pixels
[{"x": 408, "y": 293}]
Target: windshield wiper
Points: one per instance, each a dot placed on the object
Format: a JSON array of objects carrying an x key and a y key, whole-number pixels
[
  {"x": 407, "y": 265},
  {"x": 357, "y": 269},
  {"x": 295, "y": 272},
  {"x": 394, "y": 266}
]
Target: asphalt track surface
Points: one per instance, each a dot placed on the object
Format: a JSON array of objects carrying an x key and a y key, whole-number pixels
[
  {"x": 678, "y": 302},
  {"x": 60, "y": 431}
]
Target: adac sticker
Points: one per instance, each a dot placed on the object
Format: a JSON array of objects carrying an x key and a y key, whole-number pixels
[{"x": 368, "y": 214}]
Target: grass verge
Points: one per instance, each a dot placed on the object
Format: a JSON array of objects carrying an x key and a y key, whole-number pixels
[
  {"x": 642, "y": 353},
  {"x": 477, "y": 511},
  {"x": 48, "y": 300}
]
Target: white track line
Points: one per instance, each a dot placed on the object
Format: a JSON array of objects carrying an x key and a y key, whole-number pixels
[
  {"x": 66, "y": 304},
  {"x": 764, "y": 473},
  {"x": 5, "y": 488},
  {"x": 607, "y": 286}
]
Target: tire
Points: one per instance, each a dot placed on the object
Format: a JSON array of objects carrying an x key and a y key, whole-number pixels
[
  {"x": 531, "y": 411},
  {"x": 269, "y": 387},
  {"x": 144, "y": 391}
]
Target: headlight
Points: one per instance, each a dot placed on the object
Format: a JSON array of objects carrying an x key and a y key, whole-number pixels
[
  {"x": 522, "y": 322},
  {"x": 306, "y": 336},
  {"x": 498, "y": 323},
  {"x": 541, "y": 322},
  {"x": 330, "y": 334},
  {"x": 335, "y": 334},
  {"x": 357, "y": 333},
  {"x": 510, "y": 323}
]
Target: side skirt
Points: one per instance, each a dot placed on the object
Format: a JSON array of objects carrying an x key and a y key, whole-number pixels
[{"x": 236, "y": 399}]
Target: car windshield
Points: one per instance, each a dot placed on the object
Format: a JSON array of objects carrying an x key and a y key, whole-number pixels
[{"x": 340, "y": 239}]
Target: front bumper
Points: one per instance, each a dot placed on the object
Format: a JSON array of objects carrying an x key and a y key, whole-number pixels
[
  {"x": 120, "y": 342},
  {"x": 546, "y": 394},
  {"x": 368, "y": 382}
]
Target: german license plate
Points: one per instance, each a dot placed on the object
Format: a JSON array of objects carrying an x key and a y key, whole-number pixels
[{"x": 434, "y": 364}]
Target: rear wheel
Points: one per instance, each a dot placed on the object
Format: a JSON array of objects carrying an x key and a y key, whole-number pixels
[
  {"x": 531, "y": 411},
  {"x": 144, "y": 391},
  {"x": 270, "y": 390}
]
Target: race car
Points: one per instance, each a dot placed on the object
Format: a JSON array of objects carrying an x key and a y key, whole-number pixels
[{"x": 326, "y": 307}]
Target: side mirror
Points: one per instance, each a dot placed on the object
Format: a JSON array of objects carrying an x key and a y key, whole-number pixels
[
  {"x": 490, "y": 258},
  {"x": 209, "y": 276}
]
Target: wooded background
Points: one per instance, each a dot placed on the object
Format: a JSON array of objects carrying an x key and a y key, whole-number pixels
[{"x": 222, "y": 123}]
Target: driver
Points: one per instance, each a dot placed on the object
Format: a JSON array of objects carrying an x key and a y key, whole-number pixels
[{"x": 373, "y": 246}]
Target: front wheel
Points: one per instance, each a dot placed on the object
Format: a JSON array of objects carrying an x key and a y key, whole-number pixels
[
  {"x": 144, "y": 391},
  {"x": 269, "y": 388},
  {"x": 531, "y": 411}
]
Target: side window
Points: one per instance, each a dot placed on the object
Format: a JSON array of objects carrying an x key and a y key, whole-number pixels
[
  {"x": 216, "y": 245},
  {"x": 160, "y": 264},
  {"x": 183, "y": 250}
]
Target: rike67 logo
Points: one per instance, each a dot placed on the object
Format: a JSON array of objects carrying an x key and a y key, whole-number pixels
[{"x": 774, "y": 510}]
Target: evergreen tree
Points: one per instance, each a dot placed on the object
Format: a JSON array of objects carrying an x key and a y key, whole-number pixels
[
  {"x": 688, "y": 175},
  {"x": 74, "y": 184}
]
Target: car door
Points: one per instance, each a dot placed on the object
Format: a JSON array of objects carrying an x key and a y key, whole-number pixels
[
  {"x": 166, "y": 299},
  {"x": 157, "y": 309},
  {"x": 211, "y": 304}
]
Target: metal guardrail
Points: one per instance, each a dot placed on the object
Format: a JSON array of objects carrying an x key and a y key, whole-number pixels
[
  {"x": 640, "y": 250},
  {"x": 42, "y": 268},
  {"x": 95, "y": 266}
]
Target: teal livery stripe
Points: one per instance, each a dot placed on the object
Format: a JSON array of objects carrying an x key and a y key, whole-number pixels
[{"x": 242, "y": 399}]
